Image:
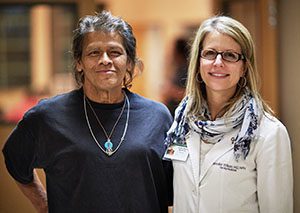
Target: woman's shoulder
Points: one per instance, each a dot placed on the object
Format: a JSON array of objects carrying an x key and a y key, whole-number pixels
[
  {"x": 272, "y": 137},
  {"x": 270, "y": 124},
  {"x": 138, "y": 101},
  {"x": 53, "y": 103}
]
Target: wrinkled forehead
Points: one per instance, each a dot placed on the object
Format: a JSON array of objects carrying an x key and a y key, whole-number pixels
[{"x": 100, "y": 37}]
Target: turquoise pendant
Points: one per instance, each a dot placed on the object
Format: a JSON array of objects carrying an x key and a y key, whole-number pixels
[{"x": 108, "y": 146}]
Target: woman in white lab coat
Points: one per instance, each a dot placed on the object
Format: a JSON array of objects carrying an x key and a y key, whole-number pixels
[{"x": 229, "y": 153}]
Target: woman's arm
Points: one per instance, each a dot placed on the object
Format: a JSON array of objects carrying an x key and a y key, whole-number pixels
[
  {"x": 36, "y": 193},
  {"x": 275, "y": 172}
]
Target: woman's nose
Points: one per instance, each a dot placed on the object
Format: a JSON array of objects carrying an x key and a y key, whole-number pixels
[
  {"x": 104, "y": 59},
  {"x": 219, "y": 60}
]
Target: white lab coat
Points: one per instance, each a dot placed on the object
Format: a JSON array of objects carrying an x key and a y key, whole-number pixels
[{"x": 261, "y": 183}]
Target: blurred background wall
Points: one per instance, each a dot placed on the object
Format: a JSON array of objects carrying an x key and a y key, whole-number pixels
[
  {"x": 35, "y": 40},
  {"x": 289, "y": 75}
]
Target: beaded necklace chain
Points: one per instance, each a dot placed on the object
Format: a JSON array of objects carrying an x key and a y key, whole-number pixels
[{"x": 108, "y": 145}]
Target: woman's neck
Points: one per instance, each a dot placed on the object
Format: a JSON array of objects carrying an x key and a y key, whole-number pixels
[
  {"x": 104, "y": 96},
  {"x": 216, "y": 103}
]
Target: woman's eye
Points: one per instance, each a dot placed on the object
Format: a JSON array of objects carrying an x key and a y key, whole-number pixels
[
  {"x": 115, "y": 53},
  {"x": 231, "y": 55},
  {"x": 210, "y": 53},
  {"x": 93, "y": 53}
]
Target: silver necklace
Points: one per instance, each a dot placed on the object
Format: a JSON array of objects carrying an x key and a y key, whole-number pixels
[{"x": 108, "y": 145}]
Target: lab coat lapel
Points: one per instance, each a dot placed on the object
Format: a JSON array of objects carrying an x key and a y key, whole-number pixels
[
  {"x": 217, "y": 151},
  {"x": 193, "y": 145}
]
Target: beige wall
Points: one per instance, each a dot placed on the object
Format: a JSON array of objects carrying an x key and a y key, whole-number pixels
[
  {"x": 289, "y": 76},
  {"x": 157, "y": 11}
]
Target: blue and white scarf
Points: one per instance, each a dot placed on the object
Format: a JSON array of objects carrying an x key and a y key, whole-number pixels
[{"x": 245, "y": 114}]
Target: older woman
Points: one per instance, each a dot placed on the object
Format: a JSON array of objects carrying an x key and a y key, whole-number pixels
[
  {"x": 101, "y": 145},
  {"x": 230, "y": 154}
]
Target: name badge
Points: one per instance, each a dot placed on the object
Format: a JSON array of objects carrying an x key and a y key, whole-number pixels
[{"x": 176, "y": 152}]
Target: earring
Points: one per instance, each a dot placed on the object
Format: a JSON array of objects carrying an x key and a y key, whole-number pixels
[
  {"x": 242, "y": 82},
  {"x": 197, "y": 78}
]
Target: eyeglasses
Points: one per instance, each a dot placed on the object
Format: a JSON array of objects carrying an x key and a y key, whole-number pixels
[{"x": 226, "y": 55}]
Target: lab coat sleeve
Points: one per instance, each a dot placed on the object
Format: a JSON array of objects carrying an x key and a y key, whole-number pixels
[{"x": 275, "y": 172}]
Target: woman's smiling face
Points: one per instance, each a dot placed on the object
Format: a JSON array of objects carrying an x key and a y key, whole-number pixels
[
  {"x": 104, "y": 62},
  {"x": 219, "y": 75}
]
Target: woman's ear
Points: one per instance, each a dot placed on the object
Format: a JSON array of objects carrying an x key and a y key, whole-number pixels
[
  {"x": 79, "y": 67},
  {"x": 136, "y": 68},
  {"x": 129, "y": 66}
]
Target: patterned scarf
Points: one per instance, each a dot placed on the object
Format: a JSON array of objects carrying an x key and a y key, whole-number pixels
[{"x": 245, "y": 114}]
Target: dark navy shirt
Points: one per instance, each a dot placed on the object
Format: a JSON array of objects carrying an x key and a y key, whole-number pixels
[{"x": 54, "y": 136}]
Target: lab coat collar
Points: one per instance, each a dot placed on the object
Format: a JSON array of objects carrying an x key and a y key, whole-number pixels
[{"x": 217, "y": 151}]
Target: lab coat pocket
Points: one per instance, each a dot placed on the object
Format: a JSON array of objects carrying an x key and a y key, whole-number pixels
[{"x": 238, "y": 183}]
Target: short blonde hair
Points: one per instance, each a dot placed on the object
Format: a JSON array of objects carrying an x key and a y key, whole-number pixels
[{"x": 241, "y": 35}]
